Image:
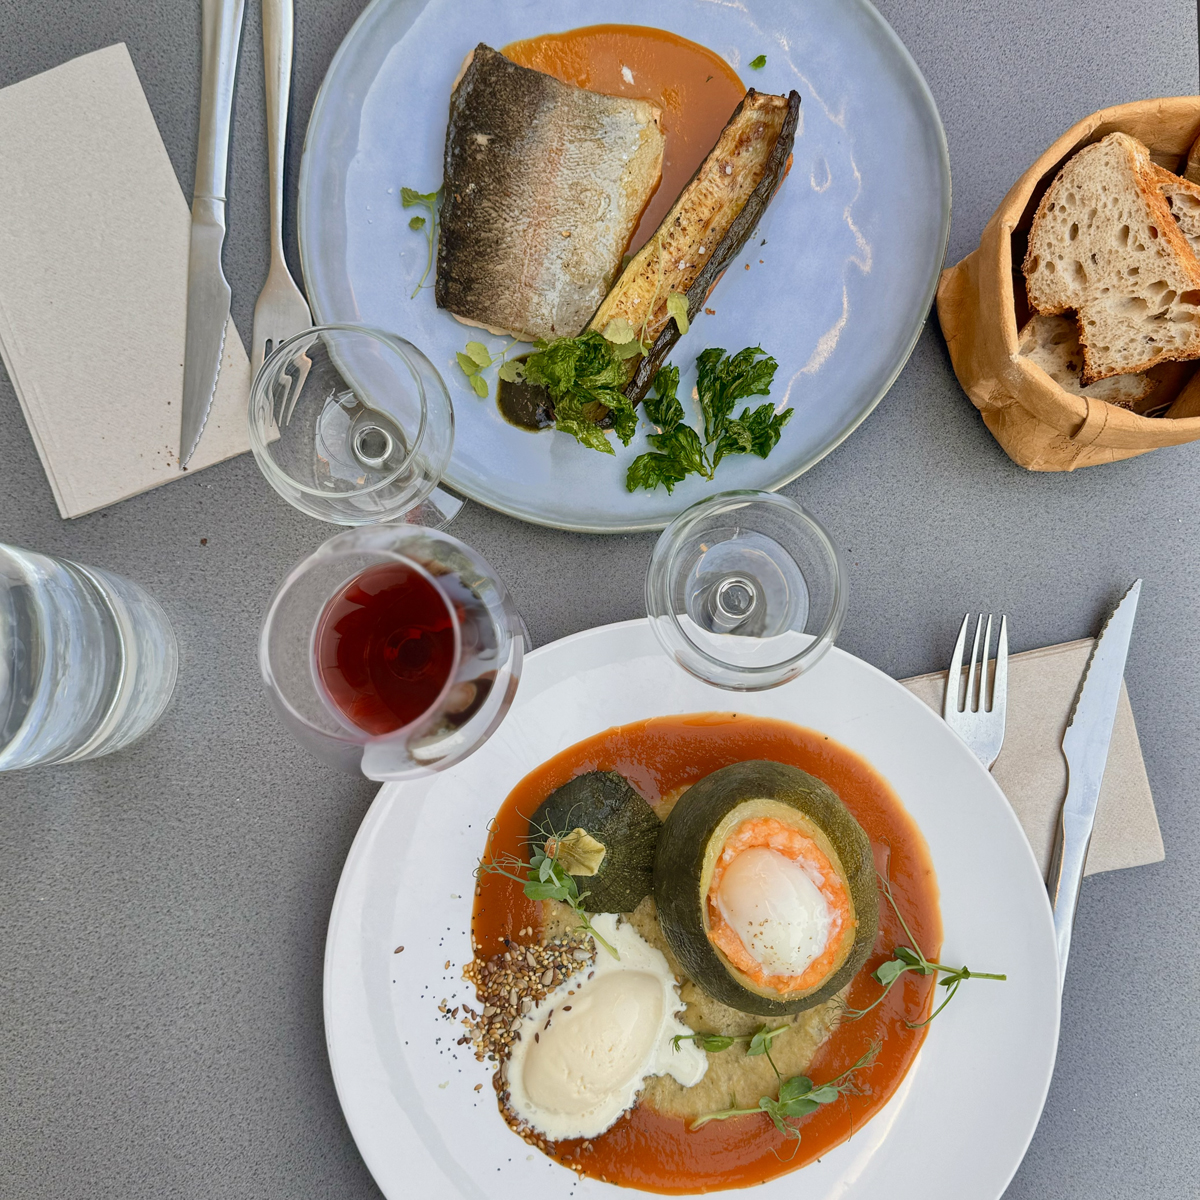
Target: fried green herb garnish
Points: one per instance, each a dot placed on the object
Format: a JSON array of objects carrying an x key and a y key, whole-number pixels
[
  {"x": 757, "y": 64},
  {"x": 477, "y": 358},
  {"x": 411, "y": 198},
  {"x": 912, "y": 958},
  {"x": 722, "y": 380},
  {"x": 798, "y": 1096},
  {"x": 544, "y": 877},
  {"x": 584, "y": 376}
]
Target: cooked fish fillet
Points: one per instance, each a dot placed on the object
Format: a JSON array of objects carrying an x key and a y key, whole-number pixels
[
  {"x": 544, "y": 185},
  {"x": 704, "y": 214}
]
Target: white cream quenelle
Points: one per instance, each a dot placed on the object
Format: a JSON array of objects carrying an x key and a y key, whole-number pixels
[{"x": 581, "y": 1058}]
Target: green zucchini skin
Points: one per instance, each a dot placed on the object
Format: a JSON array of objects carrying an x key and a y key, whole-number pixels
[
  {"x": 679, "y": 861},
  {"x": 615, "y": 814}
]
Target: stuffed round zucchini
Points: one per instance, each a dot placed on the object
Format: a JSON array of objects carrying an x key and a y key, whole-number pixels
[
  {"x": 605, "y": 834},
  {"x": 765, "y": 887}
]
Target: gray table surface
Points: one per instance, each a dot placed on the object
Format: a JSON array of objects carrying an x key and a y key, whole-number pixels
[{"x": 163, "y": 911}]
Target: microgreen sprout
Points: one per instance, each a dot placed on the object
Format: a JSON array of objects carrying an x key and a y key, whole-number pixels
[
  {"x": 798, "y": 1096},
  {"x": 759, "y": 1041},
  {"x": 411, "y": 198},
  {"x": 477, "y": 358},
  {"x": 544, "y": 878},
  {"x": 911, "y": 958}
]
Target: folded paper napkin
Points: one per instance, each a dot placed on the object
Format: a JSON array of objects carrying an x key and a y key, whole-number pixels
[
  {"x": 1032, "y": 772},
  {"x": 94, "y": 235}
]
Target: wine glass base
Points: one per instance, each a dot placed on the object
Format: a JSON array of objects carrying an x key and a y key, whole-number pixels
[{"x": 436, "y": 511}]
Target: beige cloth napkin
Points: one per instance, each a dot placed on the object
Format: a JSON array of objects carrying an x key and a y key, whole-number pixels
[
  {"x": 1032, "y": 772},
  {"x": 94, "y": 233}
]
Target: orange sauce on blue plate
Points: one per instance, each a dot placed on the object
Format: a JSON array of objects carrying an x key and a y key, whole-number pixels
[
  {"x": 661, "y": 1154},
  {"x": 696, "y": 89}
]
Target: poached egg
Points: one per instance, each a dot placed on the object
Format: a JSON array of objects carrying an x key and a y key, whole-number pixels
[{"x": 777, "y": 910}]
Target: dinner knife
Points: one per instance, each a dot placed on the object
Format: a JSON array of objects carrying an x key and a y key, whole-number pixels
[
  {"x": 209, "y": 294},
  {"x": 1085, "y": 747}
]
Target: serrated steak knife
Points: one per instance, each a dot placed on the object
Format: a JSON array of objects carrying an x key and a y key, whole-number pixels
[
  {"x": 208, "y": 292},
  {"x": 1085, "y": 747}
]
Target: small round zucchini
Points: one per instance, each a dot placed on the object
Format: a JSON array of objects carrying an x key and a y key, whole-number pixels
[
  {"x": 766, "y": 795},
  {"x": 608, "y": 832}
]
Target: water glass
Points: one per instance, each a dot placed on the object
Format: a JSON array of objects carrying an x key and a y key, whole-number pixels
[
  {"x": 354, "y": 426},
  {"x": 746, "y": 590},
  {"x": 87, "y": 660}
]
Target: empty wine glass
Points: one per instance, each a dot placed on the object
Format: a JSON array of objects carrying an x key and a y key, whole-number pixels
[
  {"x": 392, "y": 650},
  {"x": 746, "y": 590},
  {"x": 354, "y": 426}
]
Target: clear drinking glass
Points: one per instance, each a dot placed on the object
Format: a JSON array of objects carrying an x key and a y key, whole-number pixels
[
  {"x": 746, "y": 590},
  {"x": 87, "y": 660},
  {"x": 354, "y": 426},
  {"x": 481, "y": 633}
]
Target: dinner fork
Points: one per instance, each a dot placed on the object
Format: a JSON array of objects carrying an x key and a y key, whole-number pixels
[
  {"x": 281, "y": 310},
  {"x": 976, "y": 711}
]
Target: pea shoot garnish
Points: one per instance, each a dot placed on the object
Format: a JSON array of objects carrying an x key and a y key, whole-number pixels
[
  {"x": 798, "y": 1096},
  {"x": 757, "y": 64},
  {"x": 759, "y": 1041},
  {"x": 545, "y": 877},
  {"x": 411, "y": 198},
  {"x": 911, "y": 958}
]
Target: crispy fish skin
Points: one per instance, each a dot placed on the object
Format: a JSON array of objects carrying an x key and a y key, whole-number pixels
[
  {"x": 706, "y": 227},
  {"x": 544, "y": 185}
]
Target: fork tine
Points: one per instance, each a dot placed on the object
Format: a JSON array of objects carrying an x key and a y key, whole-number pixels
[
  {"x": 1000, "y": 683},
  {"x": 985, "y": 698},
  {"x": 950, "y": 702},
  {"x": 972, "y": 702}
]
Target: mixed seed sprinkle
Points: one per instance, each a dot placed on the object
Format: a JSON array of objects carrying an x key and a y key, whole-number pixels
[{"x": 509, "y": 985}]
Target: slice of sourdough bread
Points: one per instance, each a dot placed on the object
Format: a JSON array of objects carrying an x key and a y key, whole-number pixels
[
  {"x": 1104, "y": 243},
  {"x": 1052, "y": 342},
  {"x": 1183, "y": 199},
  {"x": 1191, "y": 164}
]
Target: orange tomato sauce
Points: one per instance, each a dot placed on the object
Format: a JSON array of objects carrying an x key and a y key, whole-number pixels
[
  {"x": 696, "y": 89},
  {"x": 661, "y": 1154}
]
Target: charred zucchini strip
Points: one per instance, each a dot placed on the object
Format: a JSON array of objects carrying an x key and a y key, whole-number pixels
[{"x": 706, "y": 228}]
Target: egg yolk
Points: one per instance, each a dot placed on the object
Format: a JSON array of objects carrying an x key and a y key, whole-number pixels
[{"x": 777, "y": 907}]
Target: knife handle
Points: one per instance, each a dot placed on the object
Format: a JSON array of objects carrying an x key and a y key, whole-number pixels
[
  {"x": 221, "y": 32},
  {"x": 278, "y": 21},
  {"x": 1072, "y": 837}
]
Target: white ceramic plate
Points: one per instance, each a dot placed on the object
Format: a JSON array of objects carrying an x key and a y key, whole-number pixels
[
  {"x": 965, "y": 1112},
  {"x": 855, "y": 238}
]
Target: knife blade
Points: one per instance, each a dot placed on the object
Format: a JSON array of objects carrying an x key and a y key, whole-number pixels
[
  {"x": 1085, "y": 747},
  {"x": 209, "y": 294}
]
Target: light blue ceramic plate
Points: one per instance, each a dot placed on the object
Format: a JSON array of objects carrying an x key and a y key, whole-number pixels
[{"x": 854, "y": 239}]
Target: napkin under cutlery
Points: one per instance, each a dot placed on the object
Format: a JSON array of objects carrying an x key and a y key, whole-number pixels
[
  {"x": 1032, "y": 772},
  {"x": 93, "y": 286}
]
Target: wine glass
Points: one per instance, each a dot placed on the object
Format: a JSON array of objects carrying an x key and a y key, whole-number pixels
[
  {"x": 354, "y": 426},
  {"x": 746, "y": 590},
  {"x": 392, "y": 650}
]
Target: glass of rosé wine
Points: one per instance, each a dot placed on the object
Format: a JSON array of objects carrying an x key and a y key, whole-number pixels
[{"x": 392, "y": 650}]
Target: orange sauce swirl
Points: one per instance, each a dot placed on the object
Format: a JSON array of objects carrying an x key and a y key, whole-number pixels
[
  {"x": 696, "y": 89},
  {"x": 661, "y": 1154}
]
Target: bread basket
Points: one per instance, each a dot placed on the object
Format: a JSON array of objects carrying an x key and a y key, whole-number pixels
[{"x": 981, "y": 305}]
